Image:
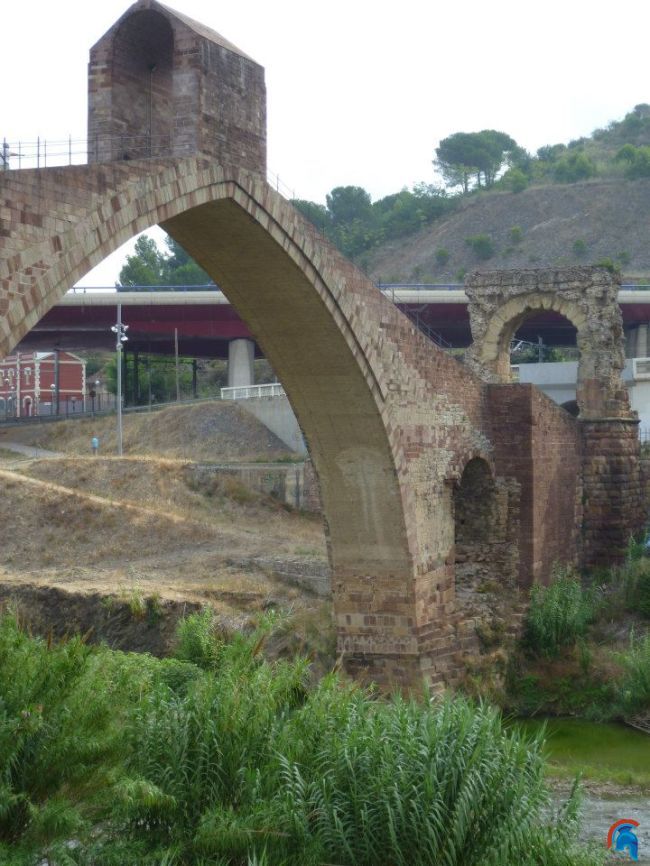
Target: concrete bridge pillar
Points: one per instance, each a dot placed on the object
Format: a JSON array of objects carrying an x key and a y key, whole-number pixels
[
  {"x": 241, "y": 372},
  {"x": 636, "y": 342}
]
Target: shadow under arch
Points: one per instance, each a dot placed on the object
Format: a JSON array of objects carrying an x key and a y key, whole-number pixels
[
  {"x": 483, "y": 534},
  {"x": 473, "y": 509}
]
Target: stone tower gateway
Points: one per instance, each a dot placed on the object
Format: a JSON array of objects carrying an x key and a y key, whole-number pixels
[{"x": 161, "y": 85}]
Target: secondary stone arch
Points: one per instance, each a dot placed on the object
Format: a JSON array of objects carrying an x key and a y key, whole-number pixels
[
  {"x": 500, "y": 301},
  {"x": 503, "y": 326}
]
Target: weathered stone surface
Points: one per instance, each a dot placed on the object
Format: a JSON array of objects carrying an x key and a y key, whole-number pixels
[
  {"x": 612, "y": 490},
  {"x": 499, "y": 301}
]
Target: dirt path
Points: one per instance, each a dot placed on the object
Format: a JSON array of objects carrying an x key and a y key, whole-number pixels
[{"x": 29, "y": 450}]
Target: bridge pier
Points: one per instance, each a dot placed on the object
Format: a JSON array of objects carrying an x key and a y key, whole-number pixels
[
  {"x": 636, "y": 342},
  {"x": 612, "y": 489},
  {"x": 241, "y": 357}
]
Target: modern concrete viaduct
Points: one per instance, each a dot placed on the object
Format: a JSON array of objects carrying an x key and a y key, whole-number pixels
[{"x": 415, "y": 452}]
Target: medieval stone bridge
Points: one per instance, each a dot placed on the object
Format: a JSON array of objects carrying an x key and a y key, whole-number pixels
[{"x": 417, "y": 454}]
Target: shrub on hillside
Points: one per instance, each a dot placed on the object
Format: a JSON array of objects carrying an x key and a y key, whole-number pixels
[
  {"x": 574, "y": 167},
  {"x": 515, "y": 180},
  {"x": 482, "y": 246},
  {"x": 442, "y": 256},
  {"x": 579, "y": 247},
  {"x": 636, "y": 159}
]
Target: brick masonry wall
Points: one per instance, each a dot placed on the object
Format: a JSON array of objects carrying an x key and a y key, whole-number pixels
[
  {"x": 538, "y": 445},
  {"x": 615, "y": 505}
]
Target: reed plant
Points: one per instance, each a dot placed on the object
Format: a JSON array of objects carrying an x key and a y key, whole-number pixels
[
  {"x": 110, "y": 759},
  {"x": 558, "y": 614},
  {"x": 635, "y": 684}
]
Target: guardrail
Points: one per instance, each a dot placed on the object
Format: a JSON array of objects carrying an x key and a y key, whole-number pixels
[
  {"x": 88, "y": 290},
  {"x": 386, "y": 288},
  {"x": 245, "y": 392},
  {"x": 49, "y": 152}
]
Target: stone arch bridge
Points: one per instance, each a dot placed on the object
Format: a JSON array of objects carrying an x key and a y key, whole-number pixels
[{"x": 414, "y": 450}]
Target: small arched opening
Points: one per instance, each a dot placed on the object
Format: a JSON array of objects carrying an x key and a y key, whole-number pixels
[
  {"x": 142, "y": 110},
  {"x": 571, "y": 406},
  {"x": 544, "y": 351},
  {"x": 475, "y": 506},
  {"x": 28, "y": 407}
]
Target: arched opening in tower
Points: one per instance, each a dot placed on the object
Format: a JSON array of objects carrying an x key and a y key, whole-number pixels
[{"x": 142, "y": 111}]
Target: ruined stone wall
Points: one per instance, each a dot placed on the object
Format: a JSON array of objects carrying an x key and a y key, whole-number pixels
[
  {"x": 500, "y": 301},
  {"x": 538, "y": 445}
]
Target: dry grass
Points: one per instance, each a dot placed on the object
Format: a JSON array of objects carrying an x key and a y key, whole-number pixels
[
  {"x": 135, "y": 527},
  {"x": 140, "y": 527},
  {"x": 214, "y": 431}
]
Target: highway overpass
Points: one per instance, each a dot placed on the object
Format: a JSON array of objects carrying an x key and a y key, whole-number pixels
[{"x": 207, "y": 323}]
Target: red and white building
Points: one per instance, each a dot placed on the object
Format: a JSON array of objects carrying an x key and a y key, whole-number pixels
[{"x": 42, "y": 383}]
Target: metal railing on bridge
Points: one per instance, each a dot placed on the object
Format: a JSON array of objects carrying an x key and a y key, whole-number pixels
[
  {"x": 246, "y": 392},
  {"x": 389, "y": 288},
  {"x": 49, "y": 152},
  {"x": 88, "y": 290}
]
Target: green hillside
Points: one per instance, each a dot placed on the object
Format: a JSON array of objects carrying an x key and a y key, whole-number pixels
[{"x": 583, "y": 202}]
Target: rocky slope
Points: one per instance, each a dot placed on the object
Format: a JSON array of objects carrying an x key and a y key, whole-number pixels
[{"x": 555, "y": 225}]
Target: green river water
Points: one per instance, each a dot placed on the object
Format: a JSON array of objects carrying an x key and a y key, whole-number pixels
[
  {"x": 614, "y": 761},
  {"x": 602, "y": 752}
]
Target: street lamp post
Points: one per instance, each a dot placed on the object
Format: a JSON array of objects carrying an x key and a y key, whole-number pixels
[
  {"x": 53, "y": 395},
  {"x": 120, "y": 338}
]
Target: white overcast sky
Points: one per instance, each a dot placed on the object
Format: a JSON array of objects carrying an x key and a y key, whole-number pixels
[{"x": 361, "y": 91}]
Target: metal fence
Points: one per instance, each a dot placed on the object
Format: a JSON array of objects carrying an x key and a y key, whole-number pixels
[
  {"x": 48, "y": 152},
  {"x": 245, "y": 392}
]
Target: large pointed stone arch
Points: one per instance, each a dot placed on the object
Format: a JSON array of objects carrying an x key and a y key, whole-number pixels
[{"x": 385, "y": 413}]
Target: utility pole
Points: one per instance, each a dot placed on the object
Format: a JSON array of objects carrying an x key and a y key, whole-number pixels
[
  {"x": 120, "y": 337},
  {"x": 178, "y": 381}
]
